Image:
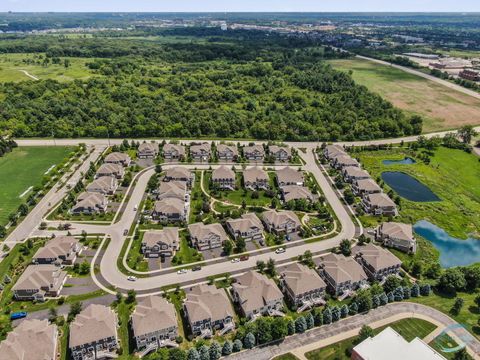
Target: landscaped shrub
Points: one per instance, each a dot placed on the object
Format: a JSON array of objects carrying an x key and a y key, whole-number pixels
[
  {"x": 344, "y": 311},
  {"x": 193, "y": 354},
  {"x": 249, "y": 341},
  {"x": 237, "y": 345},
  {"x": 425, "y": 289},
  {"x": 383, "y": 299},
  {"x": 398, "y": 294},
  {"x": 215, "y": 351},
  {"x": 353, "y": 309},
  {"x": 335, "y": 313},
  {"x": 309, "y": 320},
  {"x": 415, "y": 290},
  {"x": 204, "y": 352},
  {"x": 227, "y": 348},
  {"x": 300, "y": 324},
  {"x": 327, "y": 316}
]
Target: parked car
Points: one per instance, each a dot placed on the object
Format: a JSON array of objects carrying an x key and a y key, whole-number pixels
[
  {"x": 135, "y": 208},
  {"x": 18, "y": 315},
  {"x": 132, "y": 278},
  {"x": 235, "y": 260},
  {"x": 125, "y": 232},
  {"x": 196, "y": 268},
  {"x": 280, "y": 251},
  {"x": 244, "y": 258},
  {"x": 181, "y": 271}
]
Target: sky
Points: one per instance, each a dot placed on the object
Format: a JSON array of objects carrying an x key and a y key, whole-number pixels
[{"x": 240, "y": 5}]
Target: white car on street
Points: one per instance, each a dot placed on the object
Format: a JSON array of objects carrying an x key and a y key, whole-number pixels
[
  {"x": 182, "y": 271},
  {"x": 235, "y": 260},
  {"x": 132, "y": 278},
  {"x": 280, "y": 251}
]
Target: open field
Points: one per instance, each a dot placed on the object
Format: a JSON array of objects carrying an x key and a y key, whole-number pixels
[
  {"x": 22, "y": 168},
  {"x": 12, "y": 67},
  {"x": 408, "y": 328},
  {"x": 441, "y": 108},
  {"x": 453, "y": 175}
]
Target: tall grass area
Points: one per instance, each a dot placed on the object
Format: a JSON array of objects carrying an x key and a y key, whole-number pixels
[{"x": 22, "y": 168}]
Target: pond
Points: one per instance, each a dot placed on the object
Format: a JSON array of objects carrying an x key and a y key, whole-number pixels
[
  {"x": 408, "y": 187},
  {"x": 453, "y": 251},
  {"x": 405, "y": 161}
]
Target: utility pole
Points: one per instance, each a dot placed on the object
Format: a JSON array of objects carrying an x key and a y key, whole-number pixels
[{"x": 54, "y": 142}]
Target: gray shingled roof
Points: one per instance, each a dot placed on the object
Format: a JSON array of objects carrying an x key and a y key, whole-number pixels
[
  {"x": 94, "y": 323},
  {"x": 376, "y": 256},
  {"x": 153, "y": 313},
  {"x": 301, "y": 279},
  {"x": 208, "y": 302}
]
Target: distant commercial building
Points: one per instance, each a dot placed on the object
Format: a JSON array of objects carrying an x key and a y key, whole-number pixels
[{"x": 471, "y": 75}]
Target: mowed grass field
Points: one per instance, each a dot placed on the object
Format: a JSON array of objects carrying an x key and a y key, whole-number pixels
[
  {"x": 408, "y": 328},
  {"x": 13, "y": 65},
  {"x": 22, "y": 168},
  {"x": 442, "y": 108}
]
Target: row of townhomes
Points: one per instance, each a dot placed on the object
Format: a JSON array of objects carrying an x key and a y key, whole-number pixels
[
  {"x": 226, "y": 152},
  {"x": 173, "y": 196},
  {"x": 45, "y": 277},
  {"x": 374, "y": 200},
  {"x": 207, "y": 309},
  {"x": 95, "y": 198}
]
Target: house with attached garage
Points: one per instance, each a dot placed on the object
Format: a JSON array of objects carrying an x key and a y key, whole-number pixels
[
  {"x": 61, "y": 250},
  {"x": 379, "y": 204},
  {"x": 248, "y": 226},
  {"x": 201, "y": 152},
  {"x": 117, "y": 158},
  {"x": 208, "y": 309},
  {"x": 365, "y": 186},
  {"x": 106, "y": 185},
  {"x": 255, "y": 178},
  {"x": 31, "y": 339},
  {"x": 254, "y": 152},
  {"x": 330, "y": 151},
  {"x": 377, "y": 262},
  {"x": 154, "y": 324},
  {"x": 397, "y": 235},
  {"x": 289, "y": 176},
  {"x": 281, "y": 222},
  {"x": 343, "y": 275},
  {"x": 172, "y": 189},
  {"x": 343, "y": 161},
  {"x": 257, "y": 295},
  {"x": 147, "y": 150},
  {"x": 38, "y": 282},
  {"x": 352, "y": 174},
  {"x": 302, "y": 285},
  {"x": 280, "y": 153},
  {"x": 295, "y": 192},
  {"x": 205, "y": 237},
  {"x": 160, "y": 243},
  {"x": 227, "y": 152},
  {"x": 179, "y": 173},
  {"x": 93, "y": 333},
  {"x": 90, "y": 203},
  {"x": 224, "y": 178},
  {"x": 169, "y": 210},
  {"x": 113, "y": 170},
  {"x": 173, "y": 152}
]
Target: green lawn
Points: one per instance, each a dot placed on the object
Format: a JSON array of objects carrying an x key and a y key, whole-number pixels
[
  {"x": 22, "y": 168},
  {"x": 186, "y": 254},
  {"x": 408, "y": 328},
  {"x": 12, "y": 64},
  {"x": 441, "y": 107},
  {"x": 287, "y": 356},
  {"x": 453, "y": 175}
]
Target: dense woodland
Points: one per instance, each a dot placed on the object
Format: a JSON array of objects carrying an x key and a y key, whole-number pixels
[{"x": 255, "y": 86}]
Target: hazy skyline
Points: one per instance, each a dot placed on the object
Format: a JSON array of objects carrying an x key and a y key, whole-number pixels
[{"x": 239, "y": 6}]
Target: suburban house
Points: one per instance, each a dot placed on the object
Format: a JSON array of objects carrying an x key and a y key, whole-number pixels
[
  {"x": 255, "y": 178},
  {"x": 295, "y": 192},
  {"x": 388, "y": 344},
  {"x": 90, "y": 203},
  {"x": 93, "y": 333},
  {"x": 289, "y": 176},
  {"x": 31, "y": 339},
  {"x": 227, "y": 152},
  {"x": 257, "y": 295},
  {"x": 106, "y": 185},
  {"x": 397, "y": 235},
  {"x": 173, "y": 152},
  {"x": 254, "y": 152},
  {"x": 343, "y": 161},
  {"x": 154, "y": 323},
  {"x": 379, "y": 204},
  {"x": 61, "y": 250},
  {"x": 377, "y": 262},
  {"x": 209, "y": 236},
  {"x": 365, "y": 186},
  {"x": 117, "y": 158},
  {"x": 38, "y": 282},
  {"x": 352, "y": 174},
  {"x": 341, "y": 274},
  {"x": 110, "y": 169},
  {"x": 208, "y": 309},
  {"x": 147, "y": 150},
  {"x": 280, "y": 153},
  {"x": 248, "y": 226},
  {"x": 201, "y": 152},
  {"x": 169, "y": 210},
  {"x": 224, "y": 178},
  {"x": 330, "y": 151},
  {"x": 283, "y": 222},
  {"x": 172, "y": 189},
  {"x": 178, "y": 173},
  {"x": 302, "y": 285},
  {"x": 159, "y": 243}
]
